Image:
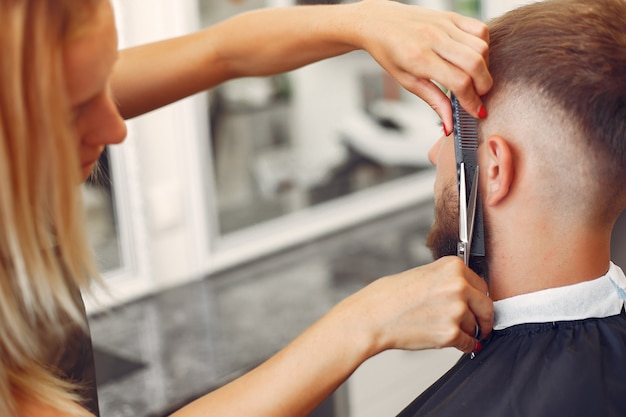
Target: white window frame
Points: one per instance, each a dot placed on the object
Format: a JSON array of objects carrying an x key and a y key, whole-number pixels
[{"x": 132, "y": 279}]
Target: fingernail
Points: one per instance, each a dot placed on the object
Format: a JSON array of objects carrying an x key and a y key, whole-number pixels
[
  {"x": 482, "y": 112},
  {"x": 445, "y": 130},
  {"x": 478, "y": 347}
]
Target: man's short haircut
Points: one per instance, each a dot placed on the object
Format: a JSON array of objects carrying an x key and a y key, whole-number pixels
[{"x": 573, "y": 53}]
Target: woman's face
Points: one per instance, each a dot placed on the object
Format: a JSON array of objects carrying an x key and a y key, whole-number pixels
[{"x": 89, "y": 61}]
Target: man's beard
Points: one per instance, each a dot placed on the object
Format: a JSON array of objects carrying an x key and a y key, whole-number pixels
[
  {"x": 444, "y": 234},
  {"x": 442, "y": 240}
]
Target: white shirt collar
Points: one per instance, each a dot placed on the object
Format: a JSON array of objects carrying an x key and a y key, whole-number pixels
[{"x": 598, "y": 298}]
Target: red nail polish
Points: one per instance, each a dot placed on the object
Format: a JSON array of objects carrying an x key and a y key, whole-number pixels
[
  {"x": 482, "y": 112},
  {"x": 479, "y": 347},
  {"x": 445, "y": 131}
]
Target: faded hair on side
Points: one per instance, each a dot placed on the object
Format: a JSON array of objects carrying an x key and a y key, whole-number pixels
[
  {"x": 45, "y": 258},
  {"x": 573, "y": 52}
]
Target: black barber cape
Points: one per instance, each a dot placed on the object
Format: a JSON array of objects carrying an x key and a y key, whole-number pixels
[{"x": 557, "y": 352}]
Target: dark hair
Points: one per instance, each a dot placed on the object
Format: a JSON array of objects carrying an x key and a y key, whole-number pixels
[{"x": 574, "y": 53}]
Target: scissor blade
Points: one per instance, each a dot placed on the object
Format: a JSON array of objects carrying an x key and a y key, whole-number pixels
[
  {"x": 463, "y": 232},
  {"x": 462, "y": 248},
  {"x": 471, "y": 208}
]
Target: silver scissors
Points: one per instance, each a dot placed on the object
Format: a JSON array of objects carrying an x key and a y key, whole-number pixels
[{"x": 467, "y": 214}]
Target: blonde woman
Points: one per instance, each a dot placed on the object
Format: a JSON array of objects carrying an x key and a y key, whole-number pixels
[{"x": 57, "y": 113}]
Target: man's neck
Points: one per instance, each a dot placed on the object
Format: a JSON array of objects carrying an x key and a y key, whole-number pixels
[{"x": 522, "y": 261}]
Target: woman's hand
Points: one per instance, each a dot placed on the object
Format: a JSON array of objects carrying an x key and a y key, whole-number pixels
[
  {"x": 433, "y": 306},
  {"x": 418, "y": 45}
]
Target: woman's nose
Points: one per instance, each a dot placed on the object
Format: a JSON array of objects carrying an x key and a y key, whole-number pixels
[{"x": 105, "y": 124}]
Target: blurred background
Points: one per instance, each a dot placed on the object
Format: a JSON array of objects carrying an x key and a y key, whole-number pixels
[{"x": 228, "y": 222}]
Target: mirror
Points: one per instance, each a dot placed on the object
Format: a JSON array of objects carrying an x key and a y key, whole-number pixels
[{"x": 312, "y": 136}]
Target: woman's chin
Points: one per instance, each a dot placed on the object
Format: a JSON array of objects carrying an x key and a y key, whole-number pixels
[{"x": 86, "y": 170}]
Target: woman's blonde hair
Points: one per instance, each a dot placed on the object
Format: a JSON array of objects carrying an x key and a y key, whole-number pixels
[{"x": 44, "y": 255}]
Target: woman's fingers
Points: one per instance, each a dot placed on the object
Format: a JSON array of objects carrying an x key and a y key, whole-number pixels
[
  {"x": 418, "y": 46},
  {"x": 432, "y": 306},
  {"x": 432, "y": 94},
  {"x": 471, "y": 26},
  {"x": 464, "y": 69},
  {"x": 465, "y": 306},
  {"x": 480, "y": 304}
]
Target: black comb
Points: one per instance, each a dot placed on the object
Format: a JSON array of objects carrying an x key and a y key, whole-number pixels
[{"x": 466, "y": 151}]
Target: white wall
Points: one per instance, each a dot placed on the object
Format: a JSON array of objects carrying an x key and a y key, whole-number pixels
[{"x": 168, "y": 151}]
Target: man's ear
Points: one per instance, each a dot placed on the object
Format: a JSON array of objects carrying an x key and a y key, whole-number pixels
[{"x": 497, "y": 170}]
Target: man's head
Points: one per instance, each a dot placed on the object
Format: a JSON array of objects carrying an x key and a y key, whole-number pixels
[
  {"x": 560, "y": 94},
  {"x": 555, "y": 137}
]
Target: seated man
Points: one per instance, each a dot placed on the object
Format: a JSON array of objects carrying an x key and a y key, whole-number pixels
[{"x": 552, "y": 157}]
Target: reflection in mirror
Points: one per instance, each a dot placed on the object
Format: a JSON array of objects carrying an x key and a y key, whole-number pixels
[
  {"x": 102, "y": 228},
  {"x": 284, "y": 143}
]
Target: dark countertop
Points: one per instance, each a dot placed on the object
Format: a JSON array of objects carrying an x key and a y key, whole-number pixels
[{"x": 158, "y": 353}]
